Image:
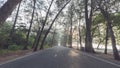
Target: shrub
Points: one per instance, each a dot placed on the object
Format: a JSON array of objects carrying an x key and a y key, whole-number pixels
[
  {"x": 46, "y": 46},
  {"x": 13, "y": 47}
]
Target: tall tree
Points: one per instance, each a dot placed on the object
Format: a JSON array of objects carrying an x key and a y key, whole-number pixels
[
  {"x": 53, "y": 38},
  {"x": 31, "y": 22},
  {"x": 36, "y": 43},
  {"x": 115, "y": 51},
  {"x": 14, "y": 24},
  {"x": 79, "y": 9},
  {"x": 88, "y": 19},
  {"x": 71, "y": 24},
  {"x": 106, "y": 14},
  {"x": 80, "y": 37},
  {"x": 7, "y": 9},
  {"x": 106, "y": 39},
  {"x": 42, "y": 43}
]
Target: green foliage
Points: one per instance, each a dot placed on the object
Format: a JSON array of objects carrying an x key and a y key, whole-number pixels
[
  {"x": 31, "y": 39},
  {"x": 5, "y": 28},
  {"x": 46, "y": 46},
  {"x": 64, "y": 39},
  {"x": 14, "y": 47},
  {"x": 98, "y": 28},
  {"x": 5, "y": 51},
  {"x": 98, "y": 19},
  {"x": 4, "y": 35},
  {"x": 115, "y": 18},
  {"x": 19, "y": 38},
  {"x": 48, "y": 40},
  {"x": 60, "y": 3}
]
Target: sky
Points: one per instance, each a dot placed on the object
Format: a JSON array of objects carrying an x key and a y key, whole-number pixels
[
  {"x": 2, "y": 2},
  {"x": 26, "y": 16}
]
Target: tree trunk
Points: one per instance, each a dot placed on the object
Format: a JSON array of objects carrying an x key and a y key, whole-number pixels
[
  {"x": 65, "y": 37},
  {"x": 88, "y": 39},
  {"x": 107, "y": 18},
  {"x": 53, "y": 38},
  {"x": 71, "y": 31},
  {"x": 80, "y": 37},
  {"x": 115, "y": 50},
  {"x": 31, "y": 22},
  {"x": 7, "y": 9},
  {"x": 36, "y": 38},
  {"x": 14, "y": 24},
  {"x": 106, "y": 40},
  {"x": 101, "y": 40},
  {"x": 44, "y": 23}
]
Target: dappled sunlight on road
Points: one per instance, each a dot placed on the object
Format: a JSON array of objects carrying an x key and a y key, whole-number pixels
[{"x": 73, "y": 53}]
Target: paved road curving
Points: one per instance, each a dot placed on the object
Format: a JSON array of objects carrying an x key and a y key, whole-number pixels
[{"x": 58, "y": 57}]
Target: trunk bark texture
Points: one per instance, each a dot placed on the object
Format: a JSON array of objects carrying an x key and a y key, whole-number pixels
[
  {"x": 88, "y": 19},
  {"x": 106, "y": 40},
  {"x": 14, "y": 24},
  {"x": 29, "y": 30},
  {"x": 7, "y": 9}
]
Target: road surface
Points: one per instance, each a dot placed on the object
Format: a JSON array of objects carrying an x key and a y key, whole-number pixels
[{"x": 59, "y": 57}]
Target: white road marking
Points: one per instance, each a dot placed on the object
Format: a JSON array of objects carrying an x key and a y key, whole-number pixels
[{"x": 103, "y": 60}]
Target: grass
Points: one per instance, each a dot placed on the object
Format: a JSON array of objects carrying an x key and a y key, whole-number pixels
[
  {"x": 11, "y": 49},
  {"x": 5, "y": 51},
  {"x": 14, "y": 48}
]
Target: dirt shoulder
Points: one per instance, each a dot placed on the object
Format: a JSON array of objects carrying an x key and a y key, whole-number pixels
[
  {"x": 108, "y": 57},
  {"x": 13, "y": 55}
]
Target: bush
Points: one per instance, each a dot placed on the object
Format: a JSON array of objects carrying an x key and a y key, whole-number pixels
[
  {"x": 4, "y": 35},
  {"x": 14, "y": 47},
  {"x": 46, "y": 46},
  {"x": 2, "y": 52}
]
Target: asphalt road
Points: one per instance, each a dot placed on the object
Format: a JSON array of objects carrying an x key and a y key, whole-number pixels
[{"x": 59, "y": 57}]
